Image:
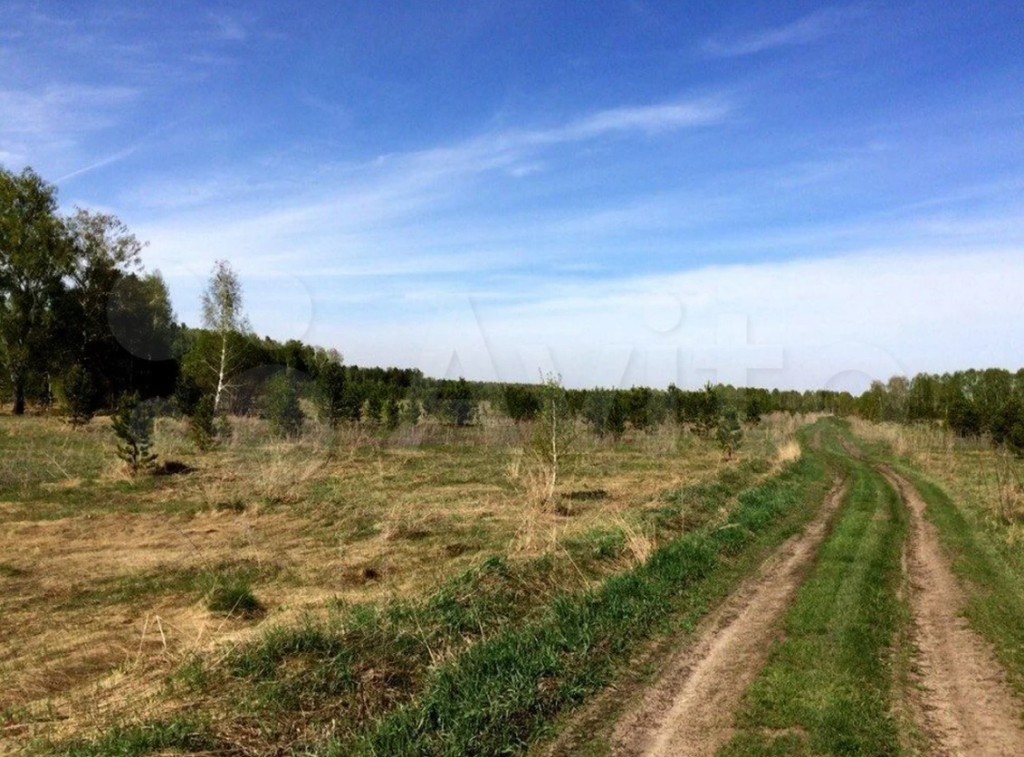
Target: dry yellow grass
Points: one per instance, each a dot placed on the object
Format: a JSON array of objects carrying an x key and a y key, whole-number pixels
[
  {"x": 789, "y": 452},
  {"x": 988, "y": 480},
  {"x": 101, "y": 576}
]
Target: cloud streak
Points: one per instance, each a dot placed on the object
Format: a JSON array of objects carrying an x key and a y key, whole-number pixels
[
  {"x": 102, "y": 163},
  {"x": 652, "y": 119},
  {"x": 50, "y": 125},
  {"x": 387, "y": 189},
  {"x": 59, "y": 109},
  {"x": 806, "y": 30}
]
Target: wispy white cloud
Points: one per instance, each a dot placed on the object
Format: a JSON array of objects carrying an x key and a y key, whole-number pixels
[
  {"x": 60, "y": 109},
  {"x": 392, "y": 185},
  {"x": 651, "y": 119},
  {"x": 394, "y": 223},
  {"x": 399, "y": 218},
  {"x": 228, "y": 27},
  {"x": 49, "y": 125},
  {"x": 806, "y": 30}
]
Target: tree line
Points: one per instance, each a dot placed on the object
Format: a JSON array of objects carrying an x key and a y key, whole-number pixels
[
  {"x": 971, "y": 404},
  {"x": 80, "y": 320},
  {"x": 83, "y": 326}
]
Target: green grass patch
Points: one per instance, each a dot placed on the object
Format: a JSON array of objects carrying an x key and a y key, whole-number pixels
[
  {"x": 234, "y": 598},
  {"x": 181, "y": 735},
  {"x": 827, "y": 687},
  {"x": 596, "y": 545},
  {"x": 201, "y": 580}
]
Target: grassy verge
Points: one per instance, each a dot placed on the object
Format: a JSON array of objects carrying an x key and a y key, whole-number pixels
[
  {"x": 485, "y": 663},
  {"x": 827, "y": 687}
]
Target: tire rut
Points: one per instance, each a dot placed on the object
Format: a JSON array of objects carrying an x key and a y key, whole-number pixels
[
  {"x": 962, "y": 699},
  {"x": 690, "y": 710}
]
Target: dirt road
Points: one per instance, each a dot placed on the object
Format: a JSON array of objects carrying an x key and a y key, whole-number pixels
[
  {"x": 689, "y": 711},
  {"x": 958, "y": 697},
  {"x": 962, "y": 700}
]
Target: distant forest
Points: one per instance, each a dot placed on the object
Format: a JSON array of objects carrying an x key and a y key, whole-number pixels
[{"x": 83, "y": 324}]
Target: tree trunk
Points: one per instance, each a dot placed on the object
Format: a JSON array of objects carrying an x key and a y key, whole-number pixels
[
  {"x": 554, "y": 454},
  {"x": 220, "y": 373},
  {"x": 19, "y": 395}
]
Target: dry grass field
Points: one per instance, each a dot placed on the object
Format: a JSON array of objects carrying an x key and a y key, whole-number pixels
[
  {"x": 107, "y": 583},
  {"x": 987, "y": 482}
]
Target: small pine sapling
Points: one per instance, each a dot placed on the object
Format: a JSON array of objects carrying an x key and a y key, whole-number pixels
[
  {"x": 79, "y": 395},
  {"x": 282, "y": 406},
  {"x": 616, "y": 424},
  {"x": 730, "y": 432},
  {"x": 201, "y": 426},
  {"x": 410, "y": 413},
  {"x": 330, "y": 393},
  {"x": 709, "y": 410},
  {"x": 754, "y": 410},
  {"x": 389, "y": 414},
  {"x": 133, "y": 426}
]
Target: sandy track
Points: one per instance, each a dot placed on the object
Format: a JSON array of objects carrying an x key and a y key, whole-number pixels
[
  {"x": 690, "y": 710},
  {"x": 962, "y": 701}
]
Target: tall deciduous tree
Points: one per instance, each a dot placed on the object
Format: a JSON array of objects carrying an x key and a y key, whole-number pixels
[
  {"x": 35, "y": 258},
  {"x": 224, "y": 315},
  {"x": 104, "y": 251},
  {"x": 111, "y": 309}
]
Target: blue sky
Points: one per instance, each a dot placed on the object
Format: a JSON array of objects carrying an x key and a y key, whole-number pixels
[{"x": 786, "y": 194}]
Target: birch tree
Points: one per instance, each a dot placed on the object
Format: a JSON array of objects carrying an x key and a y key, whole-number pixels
[
  {"x": 554, "y": 431},
  {"x": 224, "y": 316}
]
